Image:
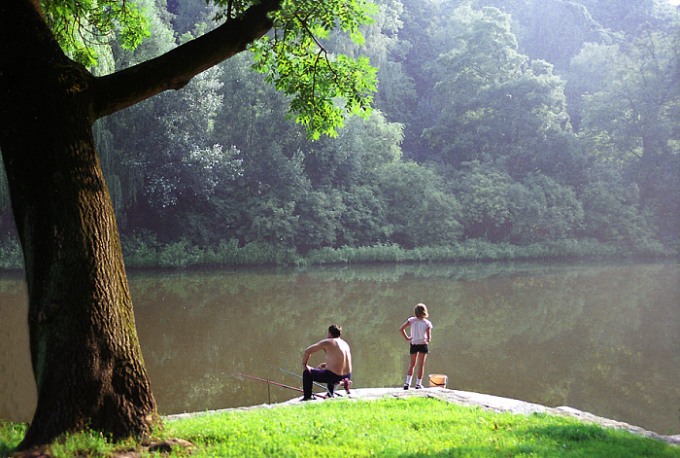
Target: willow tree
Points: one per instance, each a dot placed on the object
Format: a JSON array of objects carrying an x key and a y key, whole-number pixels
[{"x": 85, "y": 352}]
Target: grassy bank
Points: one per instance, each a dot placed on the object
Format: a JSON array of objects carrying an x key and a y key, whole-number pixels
[{"x": 387, "y": 427}]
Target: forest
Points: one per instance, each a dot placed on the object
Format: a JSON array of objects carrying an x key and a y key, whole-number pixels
[{"x": 500, "y": 128}]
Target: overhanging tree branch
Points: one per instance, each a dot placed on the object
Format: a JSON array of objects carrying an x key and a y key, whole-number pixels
[{"x": 174, "y": 69}]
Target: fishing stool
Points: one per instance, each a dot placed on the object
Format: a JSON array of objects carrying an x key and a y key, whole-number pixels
[{"x": 346, "y": 383}]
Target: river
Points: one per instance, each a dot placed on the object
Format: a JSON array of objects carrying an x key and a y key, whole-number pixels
[{"x": 604, "y": 338}]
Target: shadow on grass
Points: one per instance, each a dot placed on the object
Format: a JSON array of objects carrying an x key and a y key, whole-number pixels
[
  {"x": 571, "y": 433},
  {"x": 592, "y": 441},
  {"x": 601, "y": 441},
  {"x": 7, "y": 449}
]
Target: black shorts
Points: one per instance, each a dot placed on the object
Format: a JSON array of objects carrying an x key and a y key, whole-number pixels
[{"x": 422, "y": 348}]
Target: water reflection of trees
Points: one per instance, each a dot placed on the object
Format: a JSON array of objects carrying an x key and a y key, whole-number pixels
[
  {"x": 557, "y": 335},
  {"x": 599, "y": 338},
  {"x": 17, "y": 392}
]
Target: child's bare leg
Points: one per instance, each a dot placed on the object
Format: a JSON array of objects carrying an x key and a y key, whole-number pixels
[
  {"x": 409, "y": 373},
  {"x": 412, "y": 364},
  {"x": 421, "y": 366}
]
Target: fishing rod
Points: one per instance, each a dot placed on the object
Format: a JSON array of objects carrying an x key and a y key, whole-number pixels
[{"x": 271, "y": 382}]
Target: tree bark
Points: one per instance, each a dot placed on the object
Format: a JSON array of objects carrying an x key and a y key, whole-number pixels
[{"x": 85, "y": 352}]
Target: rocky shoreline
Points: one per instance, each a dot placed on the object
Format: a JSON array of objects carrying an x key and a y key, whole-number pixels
[{"x": 495, "y": 403}]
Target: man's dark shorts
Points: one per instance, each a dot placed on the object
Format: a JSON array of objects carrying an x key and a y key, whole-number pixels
[{"x": 422, "y": 348}]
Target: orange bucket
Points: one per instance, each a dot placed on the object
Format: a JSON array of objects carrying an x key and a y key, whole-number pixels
[{"x": 438, "y": 380}]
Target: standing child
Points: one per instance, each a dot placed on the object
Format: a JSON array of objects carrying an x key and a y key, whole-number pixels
[{"x": 421, "y": 334}]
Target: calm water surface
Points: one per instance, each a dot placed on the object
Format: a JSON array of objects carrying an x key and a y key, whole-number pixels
[{"x": 601, "y": 338}]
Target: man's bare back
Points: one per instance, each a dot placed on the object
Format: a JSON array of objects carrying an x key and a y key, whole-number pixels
[
  {"x": 337, "y": 352},
  {"x": 338, "y": 355}
]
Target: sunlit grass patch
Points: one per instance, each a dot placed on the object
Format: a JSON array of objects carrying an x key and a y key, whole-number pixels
[
  {"x": 87, "y": 443},
  {"x": 10, "y": 436},
  {"x": 411, "y": 427}
]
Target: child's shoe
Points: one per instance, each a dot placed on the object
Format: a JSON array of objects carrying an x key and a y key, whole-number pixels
[
  {"x": 419, "y": 386},
  {"x": 406, "y": 386}
]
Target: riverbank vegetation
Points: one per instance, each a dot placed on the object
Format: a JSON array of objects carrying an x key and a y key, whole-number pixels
[
  {"x": 385, "y": 427},
  {"x": 492, "y": 138},
  {"x": 180, "y": 255}
]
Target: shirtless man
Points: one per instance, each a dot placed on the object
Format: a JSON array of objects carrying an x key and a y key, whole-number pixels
[{"x": 338, "y": 365}]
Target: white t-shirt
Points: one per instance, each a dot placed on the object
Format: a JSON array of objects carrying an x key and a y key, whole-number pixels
[{"x": 418, "y": 329}]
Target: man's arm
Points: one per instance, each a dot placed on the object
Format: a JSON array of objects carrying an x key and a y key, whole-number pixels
[{"x": 310, "y": 350}]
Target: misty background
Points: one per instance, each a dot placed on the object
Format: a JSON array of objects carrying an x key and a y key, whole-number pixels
[{"x": 499, "y": 123}]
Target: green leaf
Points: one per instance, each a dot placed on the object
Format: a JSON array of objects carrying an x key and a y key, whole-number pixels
[
  {"x": 81, "y": 27},
  {"x": 324, "y": 87}
]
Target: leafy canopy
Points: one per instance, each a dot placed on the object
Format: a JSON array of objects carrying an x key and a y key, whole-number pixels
[
  {"x": 324, "y": 87},
  {"x": 294, "y": 59},
  {"x": 81, "y": 26}
]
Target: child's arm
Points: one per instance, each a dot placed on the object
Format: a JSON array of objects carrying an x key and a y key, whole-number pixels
[
  {"x": 402, "y": 329},
  {"x": 428, "y": 335}
]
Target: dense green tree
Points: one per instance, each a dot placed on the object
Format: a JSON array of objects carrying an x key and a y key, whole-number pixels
[
  {"x": 418, "y": 210},
  {"x": 269, "y": 189},
  {"x": 629, "y": 118},
  {"x": 303, "y": 197},
  {"x": 552, "y": 30},
  {"x": 149, "y": 150},
  {"x": 483, "y": 194},
  {"x": 612, "y": 209},
  {"x": 340, "y": 167},
  {"x": 631, "y": 18},
  {"x": 612, "y": 215},
  {"x": 495, "y": 104},
  {"x": 637, "y": 88},
  {"x": 421, "y": 22},
  {"x": 585, "y": 76},
  {"x": 180, "y": 167},
  {"x": 500, "y": 209},
  {"x": 186, "y": 14},
  {"x": 259, "y": 205},
  {"x": 319, "y": 214},
  {"x": 354, "y": 156},
  {"x": 270, "y": 220},
  {"x": 285, "y": 185},
  {"x": 543, "y": 210},
  {"x": 85, "y": 352},
  {"x": 387, "y": 51},
  {"x": 253, "y": 112},
  {"x": 363, "y": 220},
  {"x": 235, "y": 164}
]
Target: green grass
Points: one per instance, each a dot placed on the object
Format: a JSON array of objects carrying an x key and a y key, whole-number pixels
[{"x": 413, "y": 427}]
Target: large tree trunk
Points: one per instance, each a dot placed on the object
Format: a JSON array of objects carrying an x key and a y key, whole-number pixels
[
  {"x": 84, "y": 348},
  {"x": 86, "y": 357}
]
